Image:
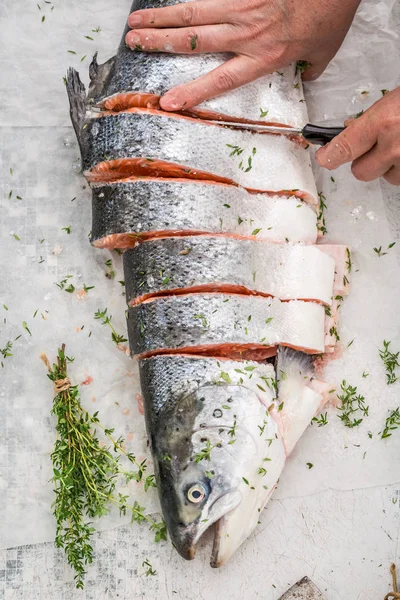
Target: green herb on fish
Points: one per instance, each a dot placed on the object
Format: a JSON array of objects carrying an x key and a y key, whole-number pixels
[
  {"x": 334, "y": 333},
  {"x": 201, "y": 317},
  {"x": 236, "y": 150},
  {"x": 349, "y": 264},
  {"x": 328, "y": 311},
  {"x": 302, "y": 65},
  {"x": 205, "y": 453},
  {"x": 232, "y": 433},
  {"x": 310, "y": 465},
  {"x": 262, "y": 471},
  {"x": 226, "y": 377},
  {"x": 262, "y": 427},
  {"x": 85, "y": 473},
  {"x": 263, "y": 113},
  {"x": 67, "y": 229},
  {"x": 353, "y": 405},
  {"x": 390, "y": 361},
  {"x": 384, "y": 92}
]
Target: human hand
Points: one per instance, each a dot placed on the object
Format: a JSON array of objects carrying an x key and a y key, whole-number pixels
[
  {"x": 371, "y": 143},
  {"x": 264, "y": 35}
]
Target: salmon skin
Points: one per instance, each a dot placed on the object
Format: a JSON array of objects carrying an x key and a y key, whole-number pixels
[
  {"x": 130, "y": 78},
  {"x": 125, "y": 213},
  {"x": 259, "y": 162},
  {"x": 202, "y": 320},
  {"x": 220, "y": 433},
  {"x": 177, "y": 265}
]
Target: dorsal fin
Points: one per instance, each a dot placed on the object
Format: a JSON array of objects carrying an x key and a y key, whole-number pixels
[
  {"x": 99, "y": 76},
  {"x": 77, "y": 99}
]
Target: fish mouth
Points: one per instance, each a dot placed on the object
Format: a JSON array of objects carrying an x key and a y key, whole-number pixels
[
  {"x": 221, "y": 551},
  {"x": 186, "y": 538}
]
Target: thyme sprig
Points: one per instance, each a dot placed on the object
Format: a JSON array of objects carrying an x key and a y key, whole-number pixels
[
  {"x": 392, "y": 423},
  {"x": 391, "y": 362},
  {"x": 351, "y": 404},
  {"x": 101, "y": 315},
  {"x": 86, "y": 473}
]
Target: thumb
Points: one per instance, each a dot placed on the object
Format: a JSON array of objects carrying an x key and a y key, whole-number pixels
[{"x": 357, "y": 139}]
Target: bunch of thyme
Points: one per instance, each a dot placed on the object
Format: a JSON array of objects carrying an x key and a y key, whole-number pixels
[{"x": 85, "y": 473}]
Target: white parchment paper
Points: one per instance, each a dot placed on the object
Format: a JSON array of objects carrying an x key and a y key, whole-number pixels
[{"x": 42, "y": 154}]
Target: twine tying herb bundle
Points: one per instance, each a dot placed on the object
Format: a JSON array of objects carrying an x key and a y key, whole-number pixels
[
  {"x": 395, "y": 595},
  {"x": 85, "y": 473}
]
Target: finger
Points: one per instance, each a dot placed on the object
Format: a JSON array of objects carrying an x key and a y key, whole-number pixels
[
  {"x": 393, "y": 175},
  {"x": 315, "y": 67},
  {"x": 187, "y": 40},
  {"x": 349, "y": 121},
  {"x": 232, "y": 74},
  {"x": 357, "y": 139},
  {"x": 181, "y": 15},
  {"x": 373, "y": 164}
]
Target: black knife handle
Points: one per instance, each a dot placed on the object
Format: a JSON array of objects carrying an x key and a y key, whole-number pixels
[{"x": 316, "y": 134}]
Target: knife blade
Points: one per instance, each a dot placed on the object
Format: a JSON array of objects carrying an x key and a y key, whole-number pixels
[
  {"x": 303, "y": 590},
  {"x": 314, "y": 134}
]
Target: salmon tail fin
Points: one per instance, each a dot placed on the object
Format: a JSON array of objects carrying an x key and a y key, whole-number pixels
[
  {"x": 100, "y": 76},
  {"x": 77, "y": 100}
]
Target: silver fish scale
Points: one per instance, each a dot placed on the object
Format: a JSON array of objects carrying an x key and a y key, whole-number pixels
[
  {"x": 166, "y": 379},
  {"x": 142, "y": 206},
  {"x": 275, "y": 162},
  {"x": 210, "y": 319},
  {"x": 282, "y": 271}
]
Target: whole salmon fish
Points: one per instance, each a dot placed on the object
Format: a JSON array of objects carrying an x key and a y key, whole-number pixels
[{"x": 229, "y": 297}]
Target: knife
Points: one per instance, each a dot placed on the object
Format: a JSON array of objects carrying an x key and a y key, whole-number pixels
[
  {"x": 303, "y": 590},
  {"x": 314, "y": 134}
]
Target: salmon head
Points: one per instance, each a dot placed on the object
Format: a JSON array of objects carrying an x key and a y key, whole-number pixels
[{"x": 216, "y": 448}]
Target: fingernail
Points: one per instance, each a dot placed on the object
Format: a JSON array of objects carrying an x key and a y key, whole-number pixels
[
  {"x": 135, "y": 20},
  {"x": 133, "y": 40},
  {"x": 171, "y": 102}
]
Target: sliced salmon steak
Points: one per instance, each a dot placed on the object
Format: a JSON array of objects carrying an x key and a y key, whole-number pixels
[
  {"x": 204, "y": 320},
  {"x": 176, "y": 265},
  {"x": 128, "y": 212},
  {"x": 266, "y": 163},
  {"x": 274, "y": 98}
]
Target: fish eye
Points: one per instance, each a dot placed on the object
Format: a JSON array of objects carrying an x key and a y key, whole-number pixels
[{"x": 196, "y": 493}]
